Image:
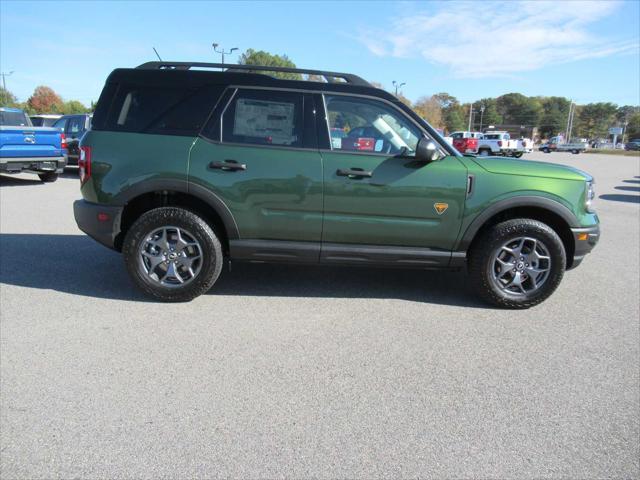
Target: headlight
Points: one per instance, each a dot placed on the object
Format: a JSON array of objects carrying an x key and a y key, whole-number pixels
[{"x": 590, "y": 194}]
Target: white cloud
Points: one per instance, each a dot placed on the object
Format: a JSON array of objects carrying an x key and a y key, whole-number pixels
[{"x": 485, "y": 39}]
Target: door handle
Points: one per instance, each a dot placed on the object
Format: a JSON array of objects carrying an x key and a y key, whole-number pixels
[
  {"x": 228, "y": 165},
  {"x": 354, "y": 173}
]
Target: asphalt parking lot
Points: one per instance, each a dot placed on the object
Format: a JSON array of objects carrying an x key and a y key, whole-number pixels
[{"x": 313, "y": 372}]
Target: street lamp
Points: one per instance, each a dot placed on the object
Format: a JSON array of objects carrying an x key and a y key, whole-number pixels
[
  {"x": 4, "y": 76},
  {"x": 481, "y": 114},
  {"x": 221, "y": 51},
  {"x": 397, "y": 85}
]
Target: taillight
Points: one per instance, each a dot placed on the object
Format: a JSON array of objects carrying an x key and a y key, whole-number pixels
[
  {"x": 499, "y": 143},
  {"x": 524, "y": 143},
  {"x": 84, "y": 164},
  {"x": 63, "y": 141}
]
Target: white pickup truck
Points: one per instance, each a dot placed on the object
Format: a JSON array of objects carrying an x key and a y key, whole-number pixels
[{"x": 497, "y": 143}]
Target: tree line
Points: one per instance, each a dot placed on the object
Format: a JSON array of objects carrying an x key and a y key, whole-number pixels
[
  {"x": 44, "y": 100},
  {"x": 441, "y": 110}
]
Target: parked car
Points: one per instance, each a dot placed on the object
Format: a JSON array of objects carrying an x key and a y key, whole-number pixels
[
  {"x": 466, "y": 142},
  {"x": 498, "y": 143},
  {"x": 555, "y": 144},
  {"x": 44, "y": 120},
  {"x": 73, "y": 126},
  {"x": 185, "y": 170},
  {"x": 29, "y": 149},
  {"x": 633, "y": 144}
]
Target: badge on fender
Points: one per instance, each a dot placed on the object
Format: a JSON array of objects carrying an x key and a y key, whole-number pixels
[{"x": 440, "y": 207}]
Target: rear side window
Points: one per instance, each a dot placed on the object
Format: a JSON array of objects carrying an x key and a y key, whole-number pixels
[
  {"x": 261, "y": 117},
  {"x": 14, "y": 119},
  {"x": 161, "y": 110}
]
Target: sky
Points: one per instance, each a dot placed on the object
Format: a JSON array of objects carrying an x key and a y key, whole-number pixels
[{"x": 585, "y": 50}]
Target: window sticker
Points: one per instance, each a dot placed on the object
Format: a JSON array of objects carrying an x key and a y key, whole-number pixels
[{"x": 272, "y": 121}]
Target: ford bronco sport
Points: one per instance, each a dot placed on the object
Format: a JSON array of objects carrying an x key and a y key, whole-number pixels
[{"x": 185, "y": 168}]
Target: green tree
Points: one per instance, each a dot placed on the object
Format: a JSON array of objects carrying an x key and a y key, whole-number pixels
[
  {"x": 555, "y": 112},
  {"x": 73, "y": 106},
  {"x": 517, "y": 109},
  {"x": 594, "y": 119},
  {"x": 262, "y": 58},
  {"x": 633, "y": 127},
  {"x": 452, "y": 111},
  {"x": 7, "y": 99},
  {"x": 490, "y": 116}
]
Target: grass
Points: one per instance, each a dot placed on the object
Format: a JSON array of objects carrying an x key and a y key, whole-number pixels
[{"x": 611, "y": 151}]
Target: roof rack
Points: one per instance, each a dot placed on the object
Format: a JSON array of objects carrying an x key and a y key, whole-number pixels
[{"x": 330, "y": 77}]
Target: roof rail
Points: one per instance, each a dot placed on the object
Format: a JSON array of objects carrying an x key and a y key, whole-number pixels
[{"x": 330, "y": 77}]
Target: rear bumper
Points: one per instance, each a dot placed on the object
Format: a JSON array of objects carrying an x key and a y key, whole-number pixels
[
  {"x": 32, "y": 164},
  {"x": 100, "y": 222},
  {"x": 584, "y": 239}
]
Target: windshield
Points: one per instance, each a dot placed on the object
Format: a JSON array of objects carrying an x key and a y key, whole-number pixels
[{"x": 14, "y": 119}]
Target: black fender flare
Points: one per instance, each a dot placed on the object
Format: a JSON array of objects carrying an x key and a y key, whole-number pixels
[
  {"x": 186, "y": 187},
  {"x": 522, "y": 201}
]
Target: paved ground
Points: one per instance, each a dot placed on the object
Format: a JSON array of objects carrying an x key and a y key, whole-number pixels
[{"x": 299, "y": 372}]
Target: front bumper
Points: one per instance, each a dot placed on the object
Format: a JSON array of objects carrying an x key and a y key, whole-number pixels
[
  {"x": 584, "y": 240},
  {"x": 100, "y": 222},
  {"x": 33, "y": 164}
]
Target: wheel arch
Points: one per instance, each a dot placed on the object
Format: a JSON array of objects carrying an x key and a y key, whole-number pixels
[
  {"x": 543, "y": 209},
  {"x": 145, "y": 196}
]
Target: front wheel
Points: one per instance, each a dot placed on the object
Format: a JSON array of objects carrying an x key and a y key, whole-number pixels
[
  {"x": 575, "y": 152},
  {"x": 546, "y": 150},
  {"x": 48, "y": 177},
  {"x": 485, "y": 153},
  {"x": 517, "y": 154},
  {"x": 172, "y": 254},
  {"x": 517, "y": 263}
]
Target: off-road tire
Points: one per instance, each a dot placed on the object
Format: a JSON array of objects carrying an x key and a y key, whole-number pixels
[
  {"x": 48, "y": 177},
  {"x": 481, "y": 262},
  {"x": 212, "y": 260}
]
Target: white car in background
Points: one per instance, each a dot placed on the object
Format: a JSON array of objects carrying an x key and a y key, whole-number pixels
[{"x": 498, "y": 143}]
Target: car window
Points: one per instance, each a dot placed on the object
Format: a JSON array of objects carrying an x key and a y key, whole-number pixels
[
  {"x": 75, "y": 125},
  {"x": 457, "y": 135},
  {"x": 263, "y": 117},
  {"x": 370, "y": 126},
  {"x": 14, "y": 119},
  {"x": 61, "y": 123},
  {"x": 161, "y": 110}
]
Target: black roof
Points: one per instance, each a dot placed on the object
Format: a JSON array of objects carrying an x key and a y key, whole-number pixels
[{"x": 167, "y": 74}]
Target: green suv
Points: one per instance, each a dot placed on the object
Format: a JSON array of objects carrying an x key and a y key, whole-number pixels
[{"x": 184, "y": 168}]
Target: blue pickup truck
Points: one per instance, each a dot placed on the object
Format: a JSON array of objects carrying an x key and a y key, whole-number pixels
[{"x": 25, "y": 148}]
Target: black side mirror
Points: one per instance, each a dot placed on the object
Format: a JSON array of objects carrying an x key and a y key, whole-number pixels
[{"x": 427, "y": 151}]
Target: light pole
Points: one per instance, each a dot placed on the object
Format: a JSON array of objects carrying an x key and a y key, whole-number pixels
[
  {"x": 481, "y": 114},
  {"x": 4, "y": 76},
  {"x": 470, "y": 112},
  {"x": 397, "y": 85},
  {"x": 221, "y": 51}
]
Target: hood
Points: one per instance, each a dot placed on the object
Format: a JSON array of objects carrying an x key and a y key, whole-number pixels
[{"x": 512, "y": 166}]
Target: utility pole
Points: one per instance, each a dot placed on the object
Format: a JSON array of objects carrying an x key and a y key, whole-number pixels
[
  {"x": 481, "y": 115},
  {"x": 4, "y": 76},
  {"x": 470, "y": 112},
  {"x": 569, "y": 122},
  {"x": 397, "y": 85},
  {"x": 221, "y": 51}
]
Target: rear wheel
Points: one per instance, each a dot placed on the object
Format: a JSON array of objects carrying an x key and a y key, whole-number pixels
[
  {"x": 575, "y": 152},
  {"x": 48, "y": 177},
  {"x": 517, "y": 154},
  {"x": 485, "y": 152},
  {"x": 172, "y": 254},
  {"x": 546, "y": 150},
  {"x": 517, "y": 263}
]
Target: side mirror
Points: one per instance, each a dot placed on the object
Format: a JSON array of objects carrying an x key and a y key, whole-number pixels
[{"x": 427, "y": 151}]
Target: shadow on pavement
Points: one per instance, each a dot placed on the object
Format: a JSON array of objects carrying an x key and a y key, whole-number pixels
[
  {"x": 632, "y": 181},
  {"x": 629, "y": 188},
  {"x": 82, "y": 267},
  {"x": 619, "y": 197},
  {"x": 9, "y": 181}
]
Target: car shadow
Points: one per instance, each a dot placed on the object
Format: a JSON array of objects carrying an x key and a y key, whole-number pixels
[
  {"x": 631, "y": 181},
  {"x": 80, "y": 266},
  {"x": 619, "y": 197},
  {"x": 628, "y": 188},
  {"x": 9, "y": 181}
]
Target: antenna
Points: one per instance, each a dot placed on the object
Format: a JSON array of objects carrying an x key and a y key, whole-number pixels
[{"x": 157, "y": 54}]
